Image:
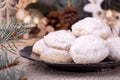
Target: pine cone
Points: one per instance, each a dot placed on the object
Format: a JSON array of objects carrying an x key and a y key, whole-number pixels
[
  {"x": 62, "y": 19},
  {"x": 70, "y": 15}
]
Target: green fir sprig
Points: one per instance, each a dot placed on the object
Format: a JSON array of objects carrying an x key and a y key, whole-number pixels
[{"x": 9, "y": 36}]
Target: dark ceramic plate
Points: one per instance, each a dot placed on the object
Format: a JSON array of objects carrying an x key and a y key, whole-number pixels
[{"x": 71, "y": 67}]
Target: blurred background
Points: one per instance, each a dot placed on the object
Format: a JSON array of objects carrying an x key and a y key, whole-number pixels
[{"x": 44, "y": 16}]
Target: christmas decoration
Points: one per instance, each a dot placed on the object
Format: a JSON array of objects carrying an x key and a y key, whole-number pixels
[
  {"x": 62, "y": 19},
  {"x": 7, "y": 10},
  {"x": 36, "y": 15},
  {"x": 22, "y": 13},
  {"x": 95, "y": 8},
  {"x": 62, "y": 4},
  {"x": 109, "y": 16},
  {"x": 42, "y": 29},
  {"x": 28, "y": 16},
  {"x": 8, "y": 37}
]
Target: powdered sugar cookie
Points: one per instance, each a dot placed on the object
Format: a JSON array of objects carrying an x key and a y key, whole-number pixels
[
  {"x": 89, "y": 49},
  {"x": 61, "y": 39},
  {"x": 55, "y": 55},
  {"x": 92, "y": 26},
  {"x": 38, "y": 47},
  {"x": 50, "y": 54},
  {"x": 114, "y": 46}
]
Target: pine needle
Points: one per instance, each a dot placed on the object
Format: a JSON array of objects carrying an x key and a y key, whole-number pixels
[
  {"x": 9, "y": 34},
  {"x": 14, "y": 63},
  {"x": 8, "y": 67}
]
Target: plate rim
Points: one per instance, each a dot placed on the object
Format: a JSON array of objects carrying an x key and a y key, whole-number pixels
[{"x": 100, "y": 63}]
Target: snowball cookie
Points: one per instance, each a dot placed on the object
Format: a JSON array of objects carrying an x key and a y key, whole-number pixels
[
  {"x": 61, "y": 39},
  {"x": 114, "y": 47},
  {"x": 55, "y": 55},
  {"x": 89, "y": 49},
  {"x": 38, "y": 47},
  {"x": 92, "y": 26}
]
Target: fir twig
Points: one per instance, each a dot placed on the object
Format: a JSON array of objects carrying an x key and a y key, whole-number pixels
[
  {"x": 6, "y": 62},
  {"x": 14, "y": 63},
  {"x": 10, "y": 34}
]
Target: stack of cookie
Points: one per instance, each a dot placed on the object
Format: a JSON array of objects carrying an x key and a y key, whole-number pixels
[
  {"x": 55, "y": 46},
  {"x": 90, "y": 41}
]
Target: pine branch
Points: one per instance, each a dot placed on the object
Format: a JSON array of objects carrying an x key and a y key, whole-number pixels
[
  {"x": 8, "y": 67},
  {"x": 11, "y": 74},
  {"x": 12, "y": 64},
  {"x": 9, "y": 35},
  {"x": 5, "y": 61}
]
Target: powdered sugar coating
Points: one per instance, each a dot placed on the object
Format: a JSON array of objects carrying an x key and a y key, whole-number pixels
[
  {"x": 114, "y": 46},
  {"x": 89, "y": 49},
  {"x": 91, "y": 26},
  {"x": 38, "y": 47},
  {"x": 50, "y": 54},
  {"x": 61, "y": 39},
  {"x": 55, "y": 55}
]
